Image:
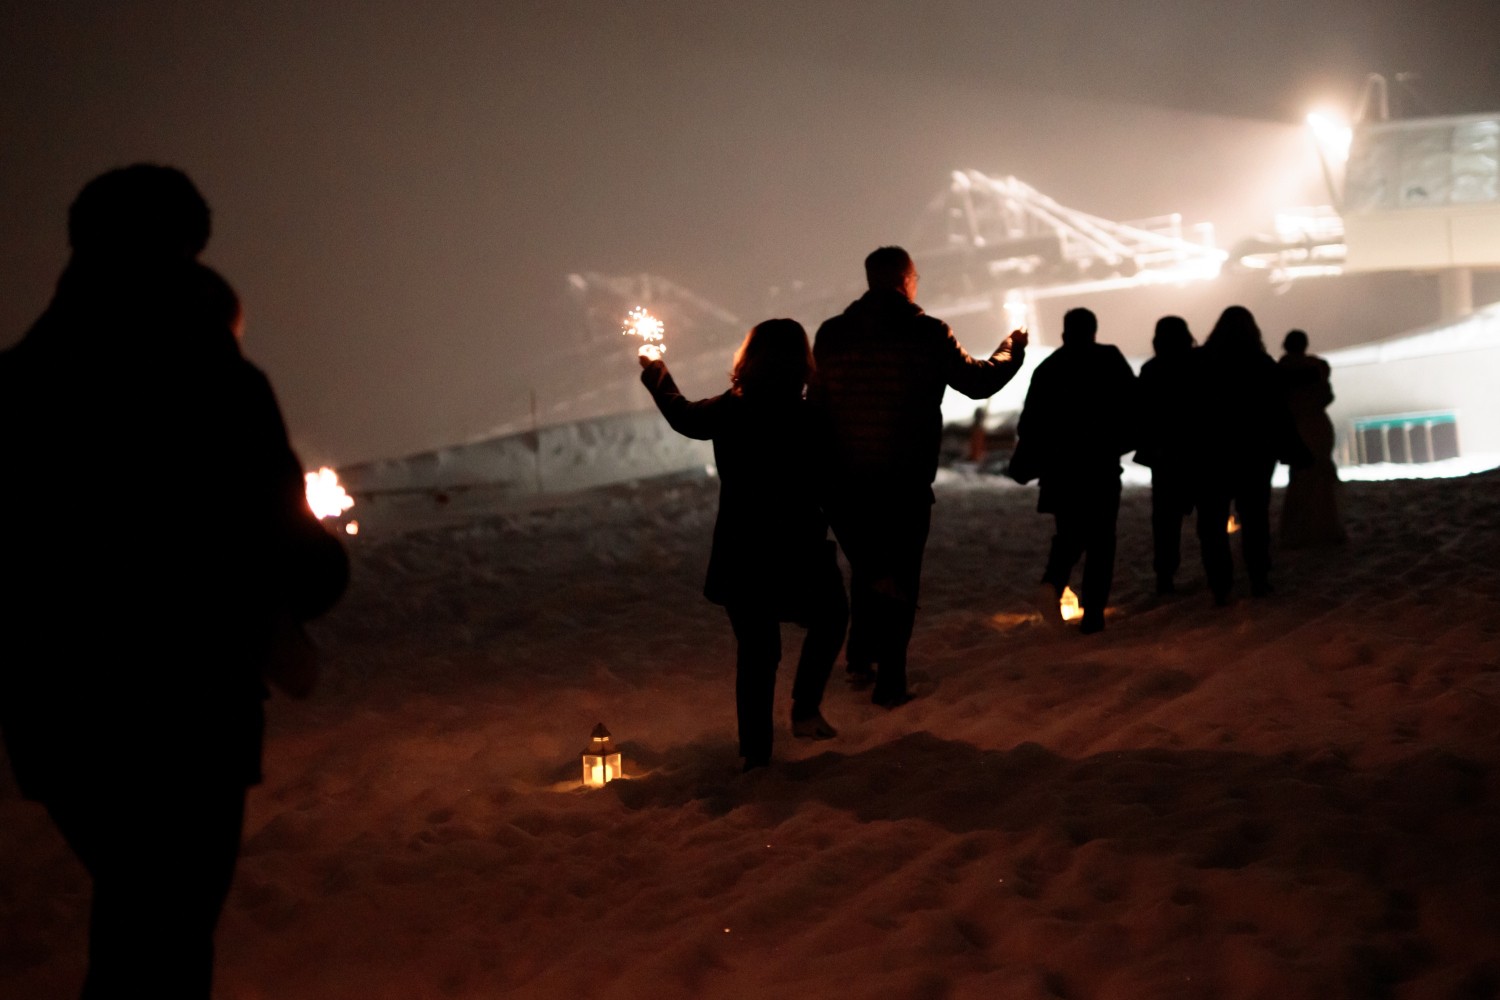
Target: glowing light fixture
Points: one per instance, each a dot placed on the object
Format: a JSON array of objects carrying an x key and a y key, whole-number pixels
[
  {"x": 1333, "y": 136},
  {"x": 601, "y": 760}
]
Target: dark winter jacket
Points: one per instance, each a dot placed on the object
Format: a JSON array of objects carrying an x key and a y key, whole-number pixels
[
  {"x": 1242, "y": 424},
  {"x": 1166, "y": 414},
  {"x": 1079, "y": 418},
  {"x": 769, "y": 543},
  {"x": 882, "y": 367},
  {"x": 152, "y": 531}
]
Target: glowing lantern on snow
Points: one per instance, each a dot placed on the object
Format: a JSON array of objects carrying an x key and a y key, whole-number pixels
[
  {"x": 1068, "y": 604},
  {"x": 640, "y": 323},
  {"x": 601, "y": 761}
]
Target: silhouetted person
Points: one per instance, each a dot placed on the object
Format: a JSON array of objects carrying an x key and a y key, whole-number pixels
[
  {"x": 772, "y": 561},
  {"x": 882, "y": 367},
  {"x": 1078, "y": 420},
  {"x": 158, "y": 553},
  {"x": 1165, "y": 443},
  {"x": 1240, "y": 425},
  {"x": 1310, "y": 509}
]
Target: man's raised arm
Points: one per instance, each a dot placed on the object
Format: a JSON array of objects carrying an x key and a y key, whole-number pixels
[{"x": 981, "y": 379}]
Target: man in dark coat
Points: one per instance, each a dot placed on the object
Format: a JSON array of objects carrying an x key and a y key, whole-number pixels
[
  {"x": 1077, "y": 422},
  {"x": 882, "y": 368},
  {"x": 154, "y": 538}
]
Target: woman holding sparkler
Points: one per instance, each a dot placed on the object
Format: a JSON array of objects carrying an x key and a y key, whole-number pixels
[{"x": 771, "y": 561}]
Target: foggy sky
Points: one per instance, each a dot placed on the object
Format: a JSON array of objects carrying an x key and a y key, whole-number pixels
[{"x": 400, "y": 190}]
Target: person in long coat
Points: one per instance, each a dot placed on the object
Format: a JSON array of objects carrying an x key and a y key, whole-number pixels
[
  {"x": 1166, "y": 393},
  {"x": 1241, "y": 427},
  {"x": 1310, "y": 509},
  {"x": 771, "y": 560},
  {"x": 1079, "y": 418}
]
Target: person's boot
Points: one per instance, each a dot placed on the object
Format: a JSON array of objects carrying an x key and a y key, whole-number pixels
[{"x": 813, "y": 727}]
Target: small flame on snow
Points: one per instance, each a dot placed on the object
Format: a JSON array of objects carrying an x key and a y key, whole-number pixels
[
  {"x": 1068, "y": 603},
  {"x": 325, "y": 495},
  {"x": 640, "y": 323}
]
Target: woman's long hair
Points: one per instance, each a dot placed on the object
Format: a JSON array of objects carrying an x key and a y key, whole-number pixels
[
  {"x": 774, "y": 359},
  {"x": 1236, "y": 333}
]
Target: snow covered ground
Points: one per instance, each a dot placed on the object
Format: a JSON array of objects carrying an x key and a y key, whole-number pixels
[{"x": 1290, "y": 797}]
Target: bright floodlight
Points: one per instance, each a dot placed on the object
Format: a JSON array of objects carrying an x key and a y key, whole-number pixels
[{"x": 1333, "y": 136}]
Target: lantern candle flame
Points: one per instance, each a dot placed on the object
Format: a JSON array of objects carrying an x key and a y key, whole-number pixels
[
  {"x": 1068, "y": 605},
  {"x": 640, "y": 323},
  {"x": 601, "y": 760}
]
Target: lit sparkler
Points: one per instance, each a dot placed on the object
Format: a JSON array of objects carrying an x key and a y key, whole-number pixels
[
  {"x": 325, "y": 495},
  {"x": 640, "y": 323},
  {"x": 1016, "y": 311}
]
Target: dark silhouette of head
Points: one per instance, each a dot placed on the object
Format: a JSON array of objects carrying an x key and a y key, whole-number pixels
[
  {"x": 1172, "y": 336},
  {"x": 1236, "y": 332},
  {"x": 1080, "y": 326},
  {"x": 139, "y": 214},
  {"x": 1295, "y": 342},
  {"x": 891, "y": 269},
  {"x": 217, "y": 300},
  {"x": 775, "y": 358}
]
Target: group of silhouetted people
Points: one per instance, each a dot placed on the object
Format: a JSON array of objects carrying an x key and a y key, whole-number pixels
[
  {"x": 1211, "y": 423},
  {"x": 1214, "y": 422},
  {"x": 140, "y": 635},
  {"x": 844, "y": 434}
]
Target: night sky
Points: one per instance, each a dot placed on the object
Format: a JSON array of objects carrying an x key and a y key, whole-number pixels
[{"x": 400, "y": 190}]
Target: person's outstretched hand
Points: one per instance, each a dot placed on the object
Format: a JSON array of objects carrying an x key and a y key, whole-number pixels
[{"x": 1017, "y": 339}]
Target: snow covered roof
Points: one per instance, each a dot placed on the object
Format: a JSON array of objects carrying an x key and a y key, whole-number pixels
[{"x": 1478, "y": 331}]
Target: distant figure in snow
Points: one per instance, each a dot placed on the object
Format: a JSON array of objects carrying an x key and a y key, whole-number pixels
[
  {"x": 1078, "y": 420},
  {"x": 1241, "y": 426},
  {"x": 771, "y": 561},
  {"x": 1310, "y": 510},
  {"x": 882, "y": 367},
  {"x": 1164, "y": 443},
  {"x": 157, "y": 558}
]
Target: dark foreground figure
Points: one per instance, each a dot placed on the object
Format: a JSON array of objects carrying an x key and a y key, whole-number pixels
[
  {"x": 156, "y": 553},
  {"x": 772, "y": 561},
  {"x": 882, "y": 367},
  {"x": 1078, "y": 420}
]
